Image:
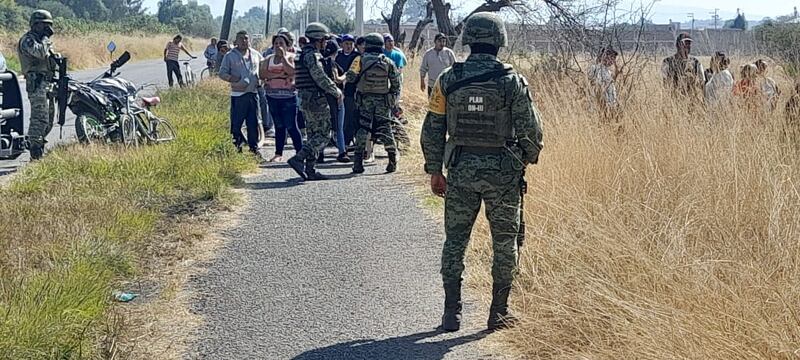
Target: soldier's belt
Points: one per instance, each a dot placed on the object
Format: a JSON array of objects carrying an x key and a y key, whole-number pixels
[{"x": 480, "y": 150}]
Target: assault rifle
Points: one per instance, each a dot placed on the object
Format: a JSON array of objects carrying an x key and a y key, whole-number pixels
[{"x": 62, "y": 91}]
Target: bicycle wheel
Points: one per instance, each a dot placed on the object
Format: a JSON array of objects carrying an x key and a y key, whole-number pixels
[
  {"x": 143, "y": 126},
  {"x": 128, "y": 127},
  {"x": 204, "y": 74},
  {"x": 163, "y": 130}
]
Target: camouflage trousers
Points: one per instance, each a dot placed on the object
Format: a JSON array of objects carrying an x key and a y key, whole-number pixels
[
  {"x": 473, "y": 180},
  {"x": 317, "y": 115},
  {"x": 375, "y": 119},
  {"x": 42, "y": 110}
]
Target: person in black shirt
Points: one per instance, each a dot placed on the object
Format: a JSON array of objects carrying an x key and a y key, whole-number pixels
[
  {"x": 336, "y": 74},
  {"x": 345, "y": 58}
]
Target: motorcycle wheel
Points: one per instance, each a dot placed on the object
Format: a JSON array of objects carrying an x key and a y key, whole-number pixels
[{"x": 89, "y": 129}]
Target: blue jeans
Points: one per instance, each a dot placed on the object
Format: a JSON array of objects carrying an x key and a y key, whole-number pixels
[
  {"x": 337, "y": 122},
  {"x": 266, "y": 119},
  {"x": 284, "y": 113},
  {"x": 244, "y": 109}
]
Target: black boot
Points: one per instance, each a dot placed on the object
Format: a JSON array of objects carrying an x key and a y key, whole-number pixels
[
  {"x": 499, "y": 317},
  {"x": 37, "y": 151},
  {"x": 392, "y": 167},
  {"x": 321, "y": 157},
  {"x": 358, "y": 163},
  {"x": 297, "y": 166},
  {"x": 312, "y": 174},
  {"x": 451, "y": 320}
]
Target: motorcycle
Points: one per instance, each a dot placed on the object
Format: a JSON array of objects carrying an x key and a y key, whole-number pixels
[
  {"x": 12, "y": 139},
  {"x": 106, "y": 108}
]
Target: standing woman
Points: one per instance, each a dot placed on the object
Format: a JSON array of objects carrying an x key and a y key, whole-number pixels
[
  {"x": 277, "y": 72},
  {"x": 747, "y": 90},
  {"x": 719, "y": 87}
]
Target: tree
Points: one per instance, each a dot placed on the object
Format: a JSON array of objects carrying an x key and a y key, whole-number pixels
[
  {"x": 442, "y": 12},
  {"x": 192, "y": 18},
  {"x": 394, "y": 19},
  {"x": 421, "y": 25}
]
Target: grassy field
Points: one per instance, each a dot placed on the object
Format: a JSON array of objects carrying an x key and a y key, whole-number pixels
[
  {"x": 89, "y": 51},
  {"x": 673, "y": 238},
  {"x": 83, "y": 220}
]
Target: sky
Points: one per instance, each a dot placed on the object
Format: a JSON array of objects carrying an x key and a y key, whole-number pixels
[{"x": 663, "y": 11}]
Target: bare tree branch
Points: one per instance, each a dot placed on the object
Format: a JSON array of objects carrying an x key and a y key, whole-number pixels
[{"x": 421, "y": 25}]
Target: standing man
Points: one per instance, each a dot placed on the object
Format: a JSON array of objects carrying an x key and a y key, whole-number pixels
[
  {"x": 483, "y": 127},
  {"x": 603, "y": 87},
  {"x": 393, "y": 52},
  {"x": 313, "y": 84},
  {"x": 435, "y": 60},
  {"x": 211, "y": 54},
  {"x": 240, "y": 68},
  {"x": 682, "y": 73},
  {"x": 378, "y": 84},
  {"x": 171, "y": 53},
  {"x": 36, "y": 57},
  {"x": 345, "y": 58}
]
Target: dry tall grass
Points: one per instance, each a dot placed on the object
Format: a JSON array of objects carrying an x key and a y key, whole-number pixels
[
  {"x": 677, "y": 238},
  {"x": 85, "y": 52}
]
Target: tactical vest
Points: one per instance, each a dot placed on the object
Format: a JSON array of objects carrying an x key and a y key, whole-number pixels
[
  {"x": 30, "y": 64},
  {"x": 303, "y": 79},
  {"x": 374, "y": 75},
  {"x": 478, "y": 109}
]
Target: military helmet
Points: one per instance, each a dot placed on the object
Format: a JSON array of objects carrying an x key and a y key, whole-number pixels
[
  {"x": 282, "y": 30},
  {"x": 317, "y": 31},
  {"x": 484, "y": 28},
  {"x": 373, "y": 40},
  {"x": 41, "y": 16}
]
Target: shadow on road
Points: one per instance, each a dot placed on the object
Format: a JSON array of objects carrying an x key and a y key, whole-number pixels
[
  {"x": 271, "y": 185},
  {"x": 405, "y": 347}
]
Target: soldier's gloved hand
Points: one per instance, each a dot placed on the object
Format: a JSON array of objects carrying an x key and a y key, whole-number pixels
[{"x": 438, "y": 185}]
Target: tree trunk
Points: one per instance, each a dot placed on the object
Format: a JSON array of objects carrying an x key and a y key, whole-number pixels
[
  {"x": 421, "y": 25},
  {"x": 442, "y": 11},
  {"x": 393, "y": 21}
]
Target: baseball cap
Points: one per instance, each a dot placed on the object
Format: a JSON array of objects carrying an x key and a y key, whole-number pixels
[
  {"x": 348, "y": 37},
  {"x": 438, "y": 36},
  {"x": 684, "y": 37},
  {"x": 388, "y": 37}
]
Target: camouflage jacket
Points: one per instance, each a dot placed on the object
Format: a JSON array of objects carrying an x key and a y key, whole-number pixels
[
  {"x": 525, "y": 117},
  {"x": 311, "y": 62},
  {"x": 34, "y": 54}
]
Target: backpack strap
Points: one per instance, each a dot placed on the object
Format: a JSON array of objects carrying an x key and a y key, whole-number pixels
[{"x": 459, "y": 69}]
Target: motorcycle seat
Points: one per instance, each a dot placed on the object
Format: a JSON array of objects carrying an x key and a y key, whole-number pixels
[{"x": 151, "y": 101}]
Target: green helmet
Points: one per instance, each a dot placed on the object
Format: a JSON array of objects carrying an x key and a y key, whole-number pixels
[
  {"x": 317, "y": 31},
  {"x": 484, "y": 28},
  {"x": 41, "y": 16},
  {"x": 373, "y": 40}
]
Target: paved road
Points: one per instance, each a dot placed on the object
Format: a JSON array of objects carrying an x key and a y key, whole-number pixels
[
  {"x": 341, "y": 269},
  {"x": 141, "y": 72}
]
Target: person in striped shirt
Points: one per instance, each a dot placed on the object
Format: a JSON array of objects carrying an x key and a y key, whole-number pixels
[{"x": 171, "y": 53}]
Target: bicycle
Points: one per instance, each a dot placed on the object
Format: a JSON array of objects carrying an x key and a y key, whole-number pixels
[
  {"x": 207, "y": 72},
  {"x": 189, "y": 78},
  {"x": 150, "y": 128}
]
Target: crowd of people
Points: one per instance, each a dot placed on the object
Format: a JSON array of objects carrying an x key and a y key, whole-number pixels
[
  {"x": 265, "y": 97},
  {"x": 683, "y": 74}
]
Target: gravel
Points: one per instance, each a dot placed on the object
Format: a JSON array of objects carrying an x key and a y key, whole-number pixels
[{"x": 340, "y": 269}]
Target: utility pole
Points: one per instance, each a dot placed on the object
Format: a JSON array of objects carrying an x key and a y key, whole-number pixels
[
  {"x": 226, "y": 21},
  {"x": 716, "y": 17},
  {"x": 360, "y": 17},
  {"x": 691, "y": 16},
  {"x": 266, "y": 29},
  {"x": 317, "y": 11},
  {"x": 281, "y": 13}
]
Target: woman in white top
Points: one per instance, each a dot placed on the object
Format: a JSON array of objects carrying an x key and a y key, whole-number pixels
[
  {"x": 768, "y": 86},
  {"x": 719, "y": 88},
  {"x": 603, "y": 88}
]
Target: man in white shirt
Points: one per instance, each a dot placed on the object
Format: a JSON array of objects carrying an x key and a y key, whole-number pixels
[{"x": 435, "y": 60}]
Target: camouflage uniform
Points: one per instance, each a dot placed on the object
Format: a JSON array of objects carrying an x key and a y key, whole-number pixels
[
  {"x": 480, "y": 169},
  {"x": 35, "y": 53},
  {"x": 375, "y": 105},
  {"x": 312, "y": 85}
]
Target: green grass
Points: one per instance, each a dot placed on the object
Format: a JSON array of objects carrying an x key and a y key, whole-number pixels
[
  {"x": 76, "y": 223},
  {"x": 12, "y": 62}
]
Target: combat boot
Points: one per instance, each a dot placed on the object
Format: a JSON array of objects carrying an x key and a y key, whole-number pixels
[
  {"x": 312, "y": 174},
  {"x": 297, "y": 166},
  {"x": 499, "y": 316},
  {"x": 392, "y": 167},
  {"x": 358, "y": 163},
  {"x": 451, "y": 320},
  {"x": 37, "y": 151}
]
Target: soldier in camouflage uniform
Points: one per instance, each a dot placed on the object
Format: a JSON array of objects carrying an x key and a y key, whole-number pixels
[
  {"x": 378, "y": 89},
  {"x": 312, "y": 85},
  {"x": 36, "y": 57},
  {"x": 483, "y": 127}
]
